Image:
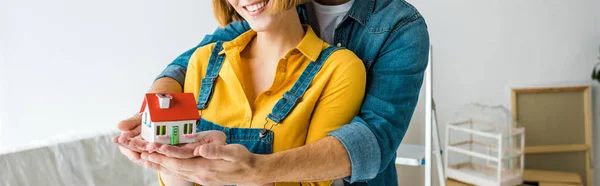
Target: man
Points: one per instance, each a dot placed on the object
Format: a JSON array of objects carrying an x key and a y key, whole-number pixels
[{"x": 391, "y": 38}]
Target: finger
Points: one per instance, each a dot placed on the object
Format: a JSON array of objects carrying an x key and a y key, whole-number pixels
[
  {"x": 174, "y": 164},
  {"x": 126, "y": 136},
  {"x": 136, "y": 131},
  {"x": 224, "y": 152},
  {"x": 157, "y": 167},
  {"x": 178, "y": 152},
  {"x": 166, "y": 171},
  {"x": 130, "y": 123},
  {"x": 183, "y": 177},
  {"x": 146, "y": 162},
  {"x": 154, "y": 147},
  {"x": 130, "y": 148},
  {"x": 132, "y": 155},
  {"x": 211, "y": 137},
  {"x": 116, "y": 139},
  {"x": 138, "y": 143}
]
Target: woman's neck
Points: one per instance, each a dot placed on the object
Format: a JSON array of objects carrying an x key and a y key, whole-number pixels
[{"x": 278, "y": 41}]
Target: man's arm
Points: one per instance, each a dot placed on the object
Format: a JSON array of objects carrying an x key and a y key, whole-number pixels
[
  {"x": 177, "y": 69},
  {"x": 306, "y": 163},
  {"x": 365, "y": 147},
  {"x": 395, "y": 81}
]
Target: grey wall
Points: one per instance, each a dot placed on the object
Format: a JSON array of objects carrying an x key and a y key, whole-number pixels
[{"x": 482, "y": 48}]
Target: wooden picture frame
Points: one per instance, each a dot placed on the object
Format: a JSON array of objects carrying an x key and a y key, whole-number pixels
[{"x": 555, "y": 118}]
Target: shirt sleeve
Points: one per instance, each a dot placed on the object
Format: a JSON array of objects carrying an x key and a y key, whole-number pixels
[
  {"x": 395, "y": 79},
  {"x": 177, "y": 69},
  {"x": 340, "y": 100}
]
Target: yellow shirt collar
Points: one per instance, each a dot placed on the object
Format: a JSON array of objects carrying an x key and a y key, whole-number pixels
[{"x": 310, "y": 45}]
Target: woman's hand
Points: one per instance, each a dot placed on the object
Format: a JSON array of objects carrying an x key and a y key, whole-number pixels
[
  {"x": 185, "y": 151},
  {"x": 130, "y": 143}
]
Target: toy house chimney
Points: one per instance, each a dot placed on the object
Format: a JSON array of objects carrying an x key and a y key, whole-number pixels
[{"x": 164, "y": 100}]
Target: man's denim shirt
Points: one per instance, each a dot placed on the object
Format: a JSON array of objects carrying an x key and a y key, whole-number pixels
[{"x": 391, "y": 38}]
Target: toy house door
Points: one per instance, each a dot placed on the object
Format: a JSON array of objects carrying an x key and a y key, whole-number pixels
[{"x": 175, "y": 135}]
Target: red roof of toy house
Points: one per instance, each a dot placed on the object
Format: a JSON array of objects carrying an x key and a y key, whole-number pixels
[{"x": 182, "y": 107}]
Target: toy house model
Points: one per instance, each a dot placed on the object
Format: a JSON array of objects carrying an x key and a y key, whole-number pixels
[{"x": 169, "y": 118}]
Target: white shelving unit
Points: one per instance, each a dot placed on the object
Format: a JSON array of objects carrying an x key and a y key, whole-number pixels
[{"x": 491, "y": 155}]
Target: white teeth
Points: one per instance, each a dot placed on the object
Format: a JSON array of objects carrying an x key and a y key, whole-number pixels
[{"x": 255, "y": 7}]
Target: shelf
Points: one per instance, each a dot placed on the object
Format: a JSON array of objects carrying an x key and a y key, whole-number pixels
[
  {"x": 555, "y": 148},
  {"x": 470, "y": 145},
  {"x": 482, "y": 175},
  {"x": 485, "y": 128}
]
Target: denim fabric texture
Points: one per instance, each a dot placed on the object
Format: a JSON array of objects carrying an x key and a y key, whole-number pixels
[
  {"x": 208, "y": 82},
  {"x": 391, "y": 38},
  {"x": 248, "y": 137}
]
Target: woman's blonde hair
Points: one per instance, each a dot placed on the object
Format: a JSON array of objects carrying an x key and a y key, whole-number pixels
[{"x": 225, "y": 13}]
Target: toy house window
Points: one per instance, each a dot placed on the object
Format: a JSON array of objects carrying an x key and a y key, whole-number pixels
[
  {"x": 161, "y": 130},
  {"x": 187, "y": 128}
]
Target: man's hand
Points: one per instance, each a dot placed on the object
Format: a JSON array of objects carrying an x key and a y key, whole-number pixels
[
  {"x": 218, "y": 165},
  {"x": 184, "y": 151},
  {"x": 234, "y": 164}
]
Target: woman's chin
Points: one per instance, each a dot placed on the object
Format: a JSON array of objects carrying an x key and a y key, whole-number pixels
[{"x": 260, "y": 27}]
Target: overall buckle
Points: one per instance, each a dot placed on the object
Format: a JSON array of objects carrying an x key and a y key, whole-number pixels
[{"x": 264, "y": 131}]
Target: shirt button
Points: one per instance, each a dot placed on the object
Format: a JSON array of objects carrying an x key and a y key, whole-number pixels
[
  {"x": 281, "y": 69},
  {"x": 339, "y": 44},
  {"x": 248, "y": 119}
]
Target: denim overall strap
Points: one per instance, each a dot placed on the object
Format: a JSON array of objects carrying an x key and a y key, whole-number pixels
[
  {"x": 212, "y": 72},
  {"x": 248, "y": 137},
  {"x": 284, "y": 106}
]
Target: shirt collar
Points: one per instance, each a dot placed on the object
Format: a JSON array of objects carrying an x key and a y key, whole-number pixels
[
  {"x": 362, "y": 10},
  {"x": 310, "y": 46},
  {"x": 241, "y": 41}
]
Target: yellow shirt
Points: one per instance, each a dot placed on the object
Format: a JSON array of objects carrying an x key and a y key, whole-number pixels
[{"x": 332, "y": 100}]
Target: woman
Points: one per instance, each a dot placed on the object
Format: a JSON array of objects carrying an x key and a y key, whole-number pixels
[{"x": 275, "y": 87}]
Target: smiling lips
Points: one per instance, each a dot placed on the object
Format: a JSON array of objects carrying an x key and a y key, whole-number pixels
[{"x": 256, "y": 7}]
